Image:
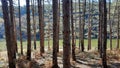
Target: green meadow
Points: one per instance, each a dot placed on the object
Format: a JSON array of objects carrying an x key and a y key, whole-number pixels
[{"x": 94, "y": 43}]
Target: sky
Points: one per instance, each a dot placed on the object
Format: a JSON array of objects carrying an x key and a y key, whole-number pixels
[{"x": 23, "y": 2}]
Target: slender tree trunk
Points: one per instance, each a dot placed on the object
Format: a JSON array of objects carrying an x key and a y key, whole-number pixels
[
  {"x": 58, "y": 24},
  {"x": 49, "y": 29},
  {"x": 13, "y": 39},
  {"x": 83, "y": 24},
  {"x": 89, "y": 27},
  {"x": 8, "y": 35},
  {"x": 118, "y": 27},
  {"x": 75, "y": 33},
  {"x": 66, "y": 34},
  {"x": 110, "y": 24},
  {"x": 79, "y": 24},
  {"x": 34, "y": 22},
  {"x": 28, "y": 30},
  {"x": 104, "y": 31},
  {"x": 72, "y": 27},
  {"x": 100, "y": 29},
  {"x": 55, "y": 32},
  {"x": 21, "y": 45},
  {"x": 41, "y": 26}
]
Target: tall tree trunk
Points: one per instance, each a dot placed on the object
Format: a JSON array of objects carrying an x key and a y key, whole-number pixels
[
  {"x": 83, "y": 24},
  {"x": 110, "y": 25},
  {"x": 28, "y": 30},
  {"x": 58, "y": 24},
  {"x": 89, "y": 27},
  {"x": 66, "y": 34},
  {"x": 8, "y": 35},
  {"x": 41, "y": 26},
  {"x": 21, "y": 45},
  {"x": 13, "y": 39},
  {"x": 72, "y": 27},
  {"x": 79, "y": 24},
  {"x": 75, "y": 33},
  {"x": 49, "y": 28},
  {"x": 55, "y": 32},
  {"x": 34, "y": 22},
  {"x": 118, "y": 27},
  {"x": 103, "y": 21},
  {"x": 100, "y": 29}
]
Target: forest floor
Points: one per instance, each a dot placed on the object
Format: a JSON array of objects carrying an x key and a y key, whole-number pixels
[{"x": 88, "y": 59}]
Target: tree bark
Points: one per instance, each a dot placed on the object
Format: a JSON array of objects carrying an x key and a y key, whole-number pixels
[
  {"x": 55, "y": 33},
  {"x": 79, "y": 24},
  {"x": 21, "y": 45},
  {"x": 104, "y": 31},
  {"x": 66, "y": 34},
  {"x": 28, "y": 30},
  {"x": 83, "y": 24},
  {"x": 72, "y": 27},
  {"x": 8, "y": 35},
  {"x": 110, "y": 25},
  {"x": 41, "y": 26},
  {"x": 58, "y": 24},
  {"x": 34, "y": 22},
  {"x": 118, "y": 27},
  {"x": 89, "y": 27},
  {"x": 13, "y": 35}
]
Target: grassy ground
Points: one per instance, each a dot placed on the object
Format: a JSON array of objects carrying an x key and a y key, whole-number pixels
[{"x": 94, "y": 43}]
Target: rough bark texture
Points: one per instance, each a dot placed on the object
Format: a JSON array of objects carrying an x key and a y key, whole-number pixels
[
  {"x": 58, "y": 24},
  {"x": 34, "y": 22},
  {"x": 118, "y": 26},
  {"x": 110, "y": 24},
  {"x": 55, "y": 32},
  {"x": 28, "y": 30},
  {"x": 41, "y": 26},
  {"x": 72, "y": 27},
  {"x": 89, "y": 27},
  {"x": 79, "y": 25},
  {"x": 21, "y": 45},
  {"x": 104, "y": 31},
  {"x": 13, "y": 35},
  {"x": 8, "y": 35},
  {"x": 75, "y": 22},
  {"x": 100, "y": 29},
  {"x": 83, "y": 24},
  {"x": 66, "y": 34}
]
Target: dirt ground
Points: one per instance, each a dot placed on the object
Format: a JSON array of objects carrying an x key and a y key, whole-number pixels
[{"x": 88, "y": 59}]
